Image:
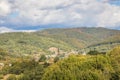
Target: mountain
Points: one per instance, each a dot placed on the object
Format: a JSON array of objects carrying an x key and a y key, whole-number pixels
[
  {"x": 66, "y": 39},
  {"x": 82, "y": 37}
]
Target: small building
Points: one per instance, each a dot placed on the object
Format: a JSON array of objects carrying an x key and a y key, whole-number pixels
[{"x": 2, "y": 65}]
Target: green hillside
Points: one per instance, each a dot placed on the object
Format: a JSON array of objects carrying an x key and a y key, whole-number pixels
[
  {"x": 65, "y": 39},
  {"x": 83, "y": 37},
  {"x": 29, "y": 43}
]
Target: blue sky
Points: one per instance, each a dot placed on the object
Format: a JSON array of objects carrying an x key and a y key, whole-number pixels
[
  {"x": 115, "y": 2},
  {"x": 35, "y": 14}
]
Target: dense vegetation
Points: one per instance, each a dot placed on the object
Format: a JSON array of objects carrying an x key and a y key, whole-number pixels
[
  {"x": 75, "y": 67},
  {"x": 24, "y": 70},
  {"x": 95, "y": 67}
]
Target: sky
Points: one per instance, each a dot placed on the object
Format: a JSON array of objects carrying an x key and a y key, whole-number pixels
[{"x": 31, "y": 15}]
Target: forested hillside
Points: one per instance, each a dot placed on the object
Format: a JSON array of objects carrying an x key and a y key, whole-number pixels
[
  {"x": 65, "y": 39},
  {"x": 82, "y": 37},
  {"x": 29, "y": 43}
]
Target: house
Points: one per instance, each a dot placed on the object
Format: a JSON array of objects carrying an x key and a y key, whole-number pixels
[
  {"x": 2, "y": 64},
  {"x": 54, "y": 49}
]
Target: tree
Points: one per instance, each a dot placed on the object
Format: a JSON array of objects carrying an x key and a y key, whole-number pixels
[
  {"x": 56, "y": 59},
  {"x": 77, "y": 67},
  {"x": 42, "y": 58},
  {"x": 93, "y": 52}
]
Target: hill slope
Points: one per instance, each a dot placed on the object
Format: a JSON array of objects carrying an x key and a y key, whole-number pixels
[
  {"x": 65, "y": 39},
  {"x": 29, "y": 43},
  {"x": 82, "y": 37}
]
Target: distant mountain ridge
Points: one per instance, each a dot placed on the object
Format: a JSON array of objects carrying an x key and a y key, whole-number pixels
[{"x": 82, "y": 37}]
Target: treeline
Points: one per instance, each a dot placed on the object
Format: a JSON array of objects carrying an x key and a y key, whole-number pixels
[{"x": 104, "y": 43}]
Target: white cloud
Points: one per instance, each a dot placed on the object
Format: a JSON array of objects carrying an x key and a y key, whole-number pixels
[
  {"x": 7, "y": 30},
  {"x": 110, "y": 17},
  {"x": 68, "y": 12},
  {"x": 4, "y": 8}
]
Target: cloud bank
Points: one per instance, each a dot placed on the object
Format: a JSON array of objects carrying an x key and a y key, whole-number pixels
[
  {"x": 8, "y": 30},
  {"x": 90, "y": 13}
]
